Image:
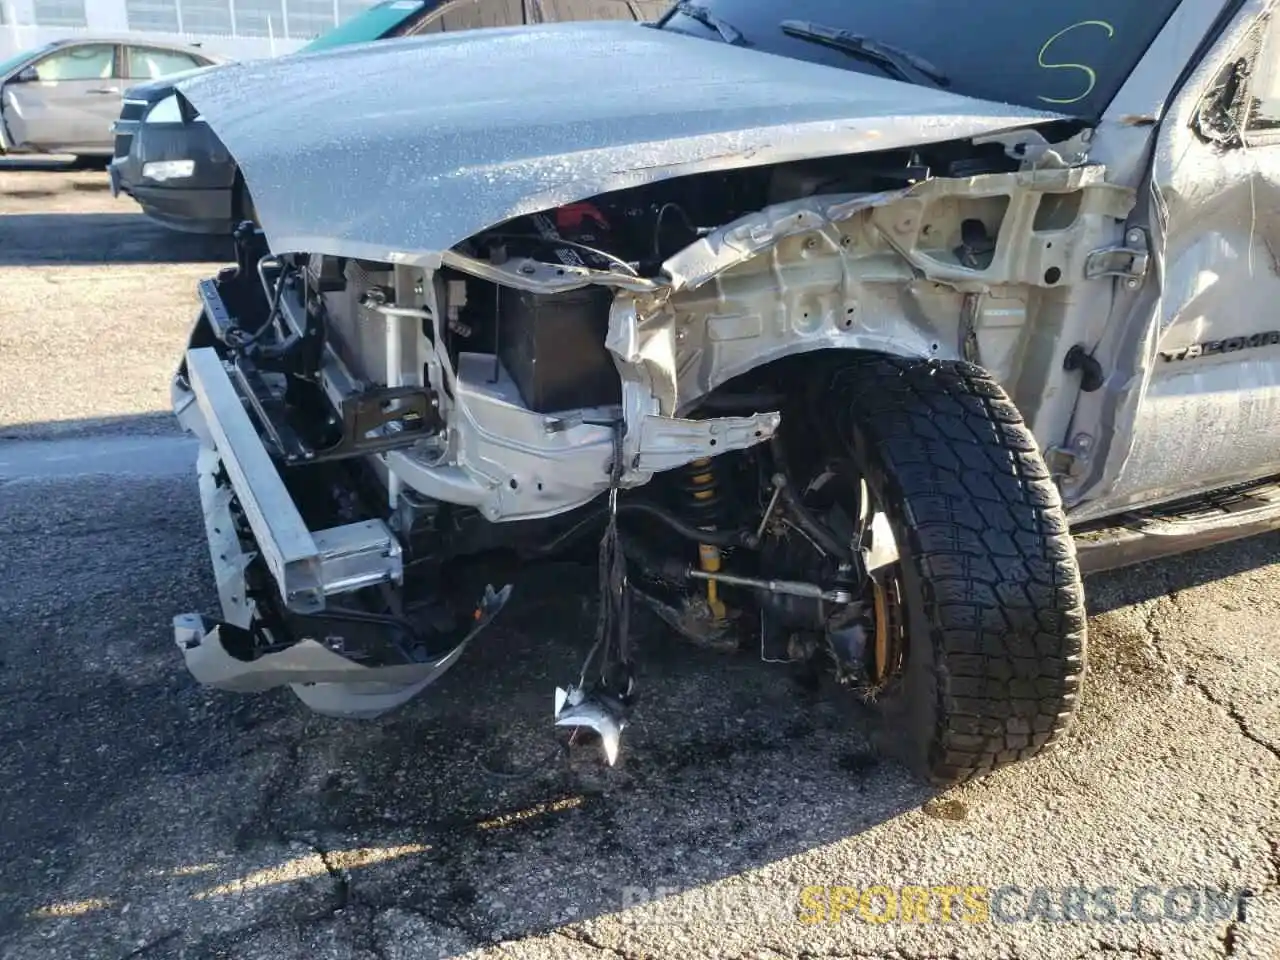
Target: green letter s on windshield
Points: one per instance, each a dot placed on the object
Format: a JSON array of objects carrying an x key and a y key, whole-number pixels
[{"x": 1087, "y": 71}]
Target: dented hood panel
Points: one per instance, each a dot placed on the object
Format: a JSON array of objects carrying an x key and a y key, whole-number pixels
[{"x": 401, "y": 149}]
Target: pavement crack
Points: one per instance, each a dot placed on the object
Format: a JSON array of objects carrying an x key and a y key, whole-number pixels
[
  {"x": 1235, "y": 716},
  {"x": 1192, "y": 678},
  {"x": 259, "y": 824},
  {"x": 341, "y": 881},
  {"x": 772, "y": 948},
  {"x": 843, "y": 953},
  {"x": 144, "y": 949},
  {"x": 1157, "y": 637},
  {"x": 1231, "y": 932},
  {"x": 1229, "y": 942},
  {"x": 1122, "y": 950},
  {"x": 1106, "y": 946},
  {"x": 582, "y": 938}
]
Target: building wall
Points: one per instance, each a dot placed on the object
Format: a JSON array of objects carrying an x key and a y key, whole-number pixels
[{"x": 240, "y": 29}]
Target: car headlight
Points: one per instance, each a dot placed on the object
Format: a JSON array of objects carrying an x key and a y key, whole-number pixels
[
  {"x": 161, "y": 170},
  {"x": 165, "y": 111}
]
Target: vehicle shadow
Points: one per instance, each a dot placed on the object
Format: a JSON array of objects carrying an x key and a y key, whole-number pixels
[
  {"x": 43, "y": 239},
  {"x": 38, "y": 163},
  {"x": 458, "y": 821},
  {"x": 27, "y": 193},
  {"x": 467, "y": 804},
  {"x": 159, "y": 423},
  {"x": 1121, "y": 588}
]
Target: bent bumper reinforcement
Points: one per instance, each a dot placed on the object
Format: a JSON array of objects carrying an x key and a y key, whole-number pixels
[
  {"x": 247, "y": 650},
  {"x": 306, "y": 566}
]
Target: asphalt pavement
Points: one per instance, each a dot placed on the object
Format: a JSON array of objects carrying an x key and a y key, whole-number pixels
[{"x": 142, "y": 816}]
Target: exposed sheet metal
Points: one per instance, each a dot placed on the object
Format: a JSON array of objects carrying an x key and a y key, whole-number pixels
[
  {"x": 1164, "y": 429},
  {"x": 879, "y": 272},
  {"x": 401, "y": 149},
  {"x": 327, "y": 682}
]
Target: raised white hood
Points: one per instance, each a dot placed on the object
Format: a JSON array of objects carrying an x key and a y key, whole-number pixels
[{"x": 401, "y": 149}]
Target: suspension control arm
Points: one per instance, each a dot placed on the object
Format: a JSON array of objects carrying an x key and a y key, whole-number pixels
[{"x": 794, "y": 588}]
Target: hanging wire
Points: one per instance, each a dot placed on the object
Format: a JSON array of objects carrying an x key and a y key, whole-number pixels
[{"x": 612, "y": 644}]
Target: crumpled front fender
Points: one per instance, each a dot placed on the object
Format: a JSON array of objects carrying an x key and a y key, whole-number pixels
[{"x": 889, "y": 272}]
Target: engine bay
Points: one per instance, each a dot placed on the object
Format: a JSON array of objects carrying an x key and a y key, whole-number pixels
[
  {"x": 495, "y": 380},
  {"x": 552, "y": 345}
]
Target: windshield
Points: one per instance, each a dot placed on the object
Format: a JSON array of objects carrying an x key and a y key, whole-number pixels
[
  {"x": 373, "y": 24},
  {"x": 1068, "y": 56},
  {"x": 11, "y": 64}
]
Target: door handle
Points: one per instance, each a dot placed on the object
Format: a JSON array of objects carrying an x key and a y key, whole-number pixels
[{"x": 105, "y": 90}]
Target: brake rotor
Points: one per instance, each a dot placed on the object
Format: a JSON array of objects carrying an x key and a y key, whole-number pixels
[{"x": 887, "y": 646}]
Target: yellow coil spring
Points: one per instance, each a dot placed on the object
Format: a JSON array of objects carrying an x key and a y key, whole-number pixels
[{"x": 705, "y": 497}]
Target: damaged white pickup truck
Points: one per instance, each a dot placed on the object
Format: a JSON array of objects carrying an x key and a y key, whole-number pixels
[{"x": 845, "y": 336}]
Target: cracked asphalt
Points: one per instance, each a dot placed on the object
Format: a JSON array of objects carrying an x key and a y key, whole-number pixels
[{"x": 142, "y": 816}]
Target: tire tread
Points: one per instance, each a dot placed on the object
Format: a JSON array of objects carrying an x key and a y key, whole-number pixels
[{"x": 989, "y": 541}]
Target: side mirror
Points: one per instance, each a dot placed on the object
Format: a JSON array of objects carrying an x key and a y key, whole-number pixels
[
  {"x": 1218, "y": 118},
  {"x": 25, "y": 75}
]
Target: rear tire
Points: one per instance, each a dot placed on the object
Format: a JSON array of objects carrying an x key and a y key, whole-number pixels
[{"x": 993, "y": 604}]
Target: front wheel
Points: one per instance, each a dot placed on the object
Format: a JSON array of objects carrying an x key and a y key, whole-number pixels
[{"x": 978, "y": 648}]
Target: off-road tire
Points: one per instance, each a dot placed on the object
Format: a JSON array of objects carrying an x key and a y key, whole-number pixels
[{"x": 995, "y": 618}]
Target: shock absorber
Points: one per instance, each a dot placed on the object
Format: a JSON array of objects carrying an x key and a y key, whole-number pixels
[{"x": 704, "y": 509}]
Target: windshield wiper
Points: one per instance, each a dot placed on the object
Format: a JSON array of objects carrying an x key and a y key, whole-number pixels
[
  {"x": 901, "y": 63},
  {"x": 728, "y": 32}
]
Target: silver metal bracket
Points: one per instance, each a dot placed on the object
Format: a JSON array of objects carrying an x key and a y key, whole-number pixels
[
  {"x": 1129, "y": 260},
  {"x": 1067, "y": 462},
  {"x": 576, "y": 707},
  {"x": 667, "y": 442}
]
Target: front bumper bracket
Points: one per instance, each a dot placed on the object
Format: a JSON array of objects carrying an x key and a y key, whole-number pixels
[{"x": 306, "y": 566}]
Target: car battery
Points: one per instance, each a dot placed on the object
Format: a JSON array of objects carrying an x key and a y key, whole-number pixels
[{"x": 552, "y": 345}]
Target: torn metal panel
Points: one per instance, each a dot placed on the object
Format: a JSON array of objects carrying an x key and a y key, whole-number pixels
[
  {"x": 323, "y": 679},
  {"x": 286, "y": 544},
  {"x": 307, "y": 565},
  {"x": 667, "y": 442},
  {"x": 888, "y": 272},
  {"x": 578, "y": 708},
  {"x": 307, "y": 661},
  {"x": 334, "y": 165},
  {"x": 743, "y": 239},
  {"x": 229, "y": 559}
]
